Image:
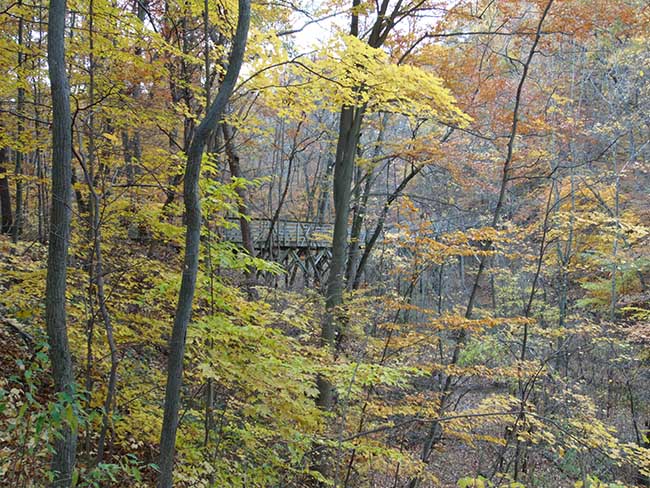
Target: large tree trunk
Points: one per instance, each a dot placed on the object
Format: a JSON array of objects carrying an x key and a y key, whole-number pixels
[
  {"x": 348, "y": 138},
  {"x": 65, "y": 445},
  {"x": 18, "y": 171},
  {"x": 349, "y": 129},
  {"x": 6, "y": 215},
  {"x": 192, "y": 240}
]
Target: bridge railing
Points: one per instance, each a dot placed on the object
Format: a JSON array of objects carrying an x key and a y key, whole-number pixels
[{"x": 286, "y": 233}]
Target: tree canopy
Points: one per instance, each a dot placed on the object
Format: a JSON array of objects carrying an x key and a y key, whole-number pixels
[{"x": 324, "y": 244}]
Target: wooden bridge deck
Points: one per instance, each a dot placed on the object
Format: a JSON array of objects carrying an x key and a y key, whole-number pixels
[{"x": 287, "y": 234}]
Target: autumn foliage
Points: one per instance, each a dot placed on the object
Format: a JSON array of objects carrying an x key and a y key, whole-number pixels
[{"x": 494, "y": 325}]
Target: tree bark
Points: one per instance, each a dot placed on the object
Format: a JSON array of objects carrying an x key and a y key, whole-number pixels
[
  {"x": 192, "y": 241},
  {"x": 20, "y": 105},
  {"x": 349, "y": 130},
  {"x": 6, "y": 215},
  {"x": 348, "y": 138},
  {"x": 360, "y": 210},
  {"x": 65, "y": 445}
]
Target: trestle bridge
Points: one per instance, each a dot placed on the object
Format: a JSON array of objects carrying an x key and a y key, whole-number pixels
[{"x": 296, "y": 245}]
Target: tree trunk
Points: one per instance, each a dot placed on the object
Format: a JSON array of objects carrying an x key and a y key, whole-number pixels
[
  {"x": 358, "y": 217},
  {"x": 349, "y": 130},
  {"x": 360, "y": 209},
  {"x": 65, "y": 444},
  {"x": 6, "y": 215},
  {"x": 192, "y": 240},
  {"x": 20, "y": 105},
  {"x": 235, "y": 171},
  {"x": 348, "y": 138},
  {"x": 244, "y": 224}
]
